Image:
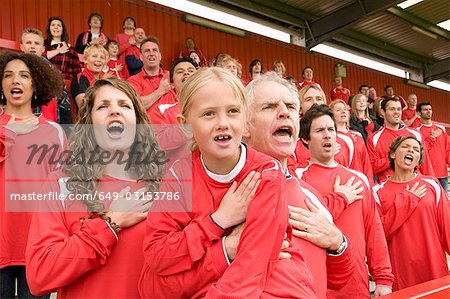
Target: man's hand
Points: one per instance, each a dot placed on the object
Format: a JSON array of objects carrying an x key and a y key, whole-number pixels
[
  {"x": 312, "y": 225},
  {"x": 436, "y": 133},
  {"x": 164, "y": 86},
  {"x": 351, "y": 190}
]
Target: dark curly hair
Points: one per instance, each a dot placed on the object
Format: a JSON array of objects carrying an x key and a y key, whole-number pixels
[
  {"x": 314, "y": 112},
  {"x": 49, "y": 38},
  {"x": 47, "y": 82},
  {"x": 84, "y": 177}
]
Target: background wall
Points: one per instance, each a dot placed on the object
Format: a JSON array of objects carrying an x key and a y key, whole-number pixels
[{"x": 172, "y": 32}]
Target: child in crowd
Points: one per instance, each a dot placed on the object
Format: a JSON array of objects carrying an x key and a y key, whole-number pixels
[{"x": 115, "y": 65}]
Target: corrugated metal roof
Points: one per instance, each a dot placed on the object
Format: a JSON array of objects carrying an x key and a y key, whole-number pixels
[
  {"x": 317, "y": 7},
  {"x": 435, "y": 11}
]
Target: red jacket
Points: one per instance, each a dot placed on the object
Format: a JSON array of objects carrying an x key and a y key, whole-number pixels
[
  {"x": 22, "y": 174},
  {"x": 378, "y": 144},
  {"x": 83, "y": 259},
  {"x": 361, "y": 224},
  {"x": 184, "y": 254},
  {"x": 417, "y": 229}
]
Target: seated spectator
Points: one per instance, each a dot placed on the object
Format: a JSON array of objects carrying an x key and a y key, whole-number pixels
[
  {"x": 339, "y": 92},
  {"x": 94, "y": 35},
  {"x": 96, "y": 57},
  {"x": 279, "y": 68},
  {"x": 190, "y": 47},
  {"x": 307, "y": 75},
  {"x": 115, "y": 65},
  {"x": 133, "y": 54},
  {"x": 58, "y": 50},
  {"x": 255, "y": 70},
  {"x": 58, "y": 109},
  {"x": 126, "y": 38},
  {"x": 360, "y": 120}
]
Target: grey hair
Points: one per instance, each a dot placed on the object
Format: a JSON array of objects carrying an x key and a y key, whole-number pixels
[{"x": 267, "y": 77}]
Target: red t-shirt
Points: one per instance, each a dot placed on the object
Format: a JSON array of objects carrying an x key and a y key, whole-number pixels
[
  {"x": 438, "y": 148},
  {"x": 361, "y": 224},
  {"x": 417, "y": 229},
  {"x": 341, "y": 93},
  {"x": 408, "y": 114}
]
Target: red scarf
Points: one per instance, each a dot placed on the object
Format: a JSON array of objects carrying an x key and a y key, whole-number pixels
[{"x": 103, "y": 38}]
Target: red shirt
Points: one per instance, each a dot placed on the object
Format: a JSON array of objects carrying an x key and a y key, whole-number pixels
[
  {"x": 360, "y": 160},
  {"x": 340, "y": 93},
  {"x": 83, "y": 259},
  {"x": 326, "y": 269},
  {"x": 145, "y": 84},
  {"x": 417, "y": 230},
  {"x": 111, "y": 67},
  {"x": 20, "y": 177},
  {"x": 438, "y": 148},
  {"x": 407, "y": 114},
  {"x": 306, "y": 83},
  {"x": 124, "y": 42},
  {"x": 378, "y": 144},
  {"x": 361, "y": 224},
  {"x": 184, "y": 254}
]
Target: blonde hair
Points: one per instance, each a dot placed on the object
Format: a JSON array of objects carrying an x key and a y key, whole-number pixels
[
  {"x": 305, "y": 89},
  {"x": 356, "y": 97},
  {"x": 339, "y": 101},
  {"x": 279, "y": 62},
  {"x": 31, "y": 30},
  {"x": 204, "y": 77},
  {"x": 93, "y": 47}
]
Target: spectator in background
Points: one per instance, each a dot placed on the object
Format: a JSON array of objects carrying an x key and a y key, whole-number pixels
[
  {"x": 292, "y": 81},
  {"x": 230, "y": 64},
  {"x": 58, "y": 50},
  {"x": 279, "y": 68},
  {"x": 415, "y": 212},
  {"x": 152, "y": 83},
  {"x": 255, "y": 69},
  {"x": 360, "y": 119},
  {"x": 389, "y": 94},
  {"x": 94, "y": 35},
  {"x": 115, "y": 65},
  {"x": 410, "y": 116},
  {"x": 436, "y": 141},
  {"x": 95, "y": 57},
  {"x": 133, "y": 57},
  {"x": 58, "y": 109},
  {"x": 126, "y": 38},
  {"x": 307, "y": 75},
  {"x": 339, "y": 92},
  {"x": 364, "y": 89},
  {"x": 190, "y": 47},
  {"x": 196, "y": 58},
  {"x": 379, "y": 142},
  {"x": 218, "y": 59}
]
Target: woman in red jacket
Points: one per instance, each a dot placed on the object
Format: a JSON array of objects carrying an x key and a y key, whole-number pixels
[
  {"x": 27, "y": 82},
  {"x": 415, "y": 213},
  {"x": 88, "y": 244}
]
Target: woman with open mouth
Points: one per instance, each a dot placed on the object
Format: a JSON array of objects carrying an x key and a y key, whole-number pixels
[
  {"x": 88, "y": 244},
  {"x": 27, "y": 82},
  {"x": 415, "y": 212}
]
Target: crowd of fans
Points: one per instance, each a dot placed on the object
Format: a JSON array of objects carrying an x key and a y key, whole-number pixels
[{"x": 290, "y": 194}]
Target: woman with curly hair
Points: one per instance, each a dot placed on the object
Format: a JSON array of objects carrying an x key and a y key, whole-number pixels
[
  {"x": 27, "y": 82},
  {"x": 89, "y": 245},
  {"x": 59, "y": 51}
]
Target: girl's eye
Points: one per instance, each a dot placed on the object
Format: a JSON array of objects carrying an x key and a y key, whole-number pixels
[
  {"x": 234, "y": 110},
  {"x": 208, "y": 113}
]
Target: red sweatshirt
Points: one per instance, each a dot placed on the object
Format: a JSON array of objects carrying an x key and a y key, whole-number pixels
[
  {"x": 184, "y": 251},
  {"x": 361, "y": 224},
  {"x": 438, "y": 148},
  {"x": 326, "y": 269},
  {"x": 360, "y": 160},
  {"x": 409, "y": 114},
  {"x": 378, "y": 145},
  {"x": 83, "y": 259},
  {"x": 417, "y": 230},
  {"x": 21, "y": 173}
]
